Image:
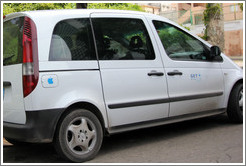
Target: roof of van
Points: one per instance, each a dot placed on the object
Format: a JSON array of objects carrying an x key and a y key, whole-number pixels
[{"x": 74, "y": 13}]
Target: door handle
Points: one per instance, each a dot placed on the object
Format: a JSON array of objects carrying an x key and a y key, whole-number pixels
[
  {"x": 6, "y": 83},
  {"x": 155, "y": 73},
  {"x": 175, "y": 72}
]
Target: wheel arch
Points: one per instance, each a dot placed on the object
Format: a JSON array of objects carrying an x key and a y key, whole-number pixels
[
  {"x": 240, "y": 81},
  {"x": 84, "y": 105},
  {"x": 234, "y": 110}
]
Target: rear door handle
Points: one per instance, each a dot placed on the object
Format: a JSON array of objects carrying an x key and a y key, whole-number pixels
[
  {"x": 5, "y": 83},
  {"x": 175, "y": 72},
  {"x": 155, "y": 73}
]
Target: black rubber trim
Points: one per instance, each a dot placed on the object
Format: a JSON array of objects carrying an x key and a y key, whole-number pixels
[
  {"x": 139, "y": 124},
  {"x": 138, "y": 103},
  {"x": 182, "y": 98},
  {"x": 161, "y": 101},
  {"x": 68, "y": 70},
  {"x": 6, "y": 83},
  {"x": 40, "y": 126}
]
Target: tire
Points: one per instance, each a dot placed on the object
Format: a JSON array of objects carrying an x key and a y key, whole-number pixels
[
  {"x": 79, "y": 136},
  {"x": 235, "y": 104}
]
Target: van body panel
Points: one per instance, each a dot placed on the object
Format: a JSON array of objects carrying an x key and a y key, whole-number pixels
[
  {"x": 127, "y": 81},
  {"x": 13, "y": 102},
  {"x": 209, "y": 81},
  {"x": 139, "y": 87},
  {"x": 78, "y": 90},
  {"x": 40, "y": 126},
  {"x": 231, "y": 72},
  {"x": 197, "y": 78},
  {"x": 231, "y": 77}
]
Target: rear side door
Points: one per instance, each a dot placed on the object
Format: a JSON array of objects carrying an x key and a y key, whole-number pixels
[
  {"x": 195, "y": 82},
  {"x": 13, "y": 102},
  {"x": 134, "y": 84}
]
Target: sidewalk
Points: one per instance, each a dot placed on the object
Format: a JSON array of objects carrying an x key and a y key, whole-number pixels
[{"x": 6, "y": 143}]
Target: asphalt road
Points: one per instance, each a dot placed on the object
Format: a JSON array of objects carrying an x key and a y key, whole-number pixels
[{"x": 207, "y": 140}]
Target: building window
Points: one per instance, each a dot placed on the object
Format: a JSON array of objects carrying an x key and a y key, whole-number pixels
[{"x": 234, "y": 8}]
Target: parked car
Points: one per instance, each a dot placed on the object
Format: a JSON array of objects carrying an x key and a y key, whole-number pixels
[{"x": 73, "y": 76}]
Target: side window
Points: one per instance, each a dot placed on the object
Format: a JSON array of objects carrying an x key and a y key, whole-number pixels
[
  {"x": 12, "y": 37},
  {"x": 122, "y": 39},
  {"x": 72, "y": 40},
  {"x": 179, "y": 45}
]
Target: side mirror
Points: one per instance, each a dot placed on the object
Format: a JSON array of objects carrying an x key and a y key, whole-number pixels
[{"x": 214, "y": 52}]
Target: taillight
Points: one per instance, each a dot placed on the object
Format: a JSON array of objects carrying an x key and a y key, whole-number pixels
[{"x": 30, "y": 57}]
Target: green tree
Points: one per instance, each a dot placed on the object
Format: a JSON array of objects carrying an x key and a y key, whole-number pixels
[
  {"x": 241, "y": 6},
  {"x": 119, "y": 6},
  {"x": 18, "y": 7},
  {"x": 214, "y": 24}
]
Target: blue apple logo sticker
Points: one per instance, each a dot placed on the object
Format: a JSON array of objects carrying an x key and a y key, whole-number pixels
[{"x": 50, "y": 81}]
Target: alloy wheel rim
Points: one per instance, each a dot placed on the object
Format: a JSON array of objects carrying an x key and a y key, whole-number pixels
[
  {"x": 81, "y": 135},
  {"x": 240, "y": 100}
]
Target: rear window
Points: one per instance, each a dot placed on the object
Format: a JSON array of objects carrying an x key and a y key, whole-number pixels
[
  {"x": 12, "y": 41},
  {"x": 72, "y": 40}
]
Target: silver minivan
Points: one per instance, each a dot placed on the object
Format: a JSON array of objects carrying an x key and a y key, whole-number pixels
[{"x": 73, "y": 76}]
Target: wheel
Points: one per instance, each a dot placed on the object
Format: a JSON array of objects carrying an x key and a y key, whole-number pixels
[
  {"x": 235, "y": 104},
  {"x": 79, "y": 136}
]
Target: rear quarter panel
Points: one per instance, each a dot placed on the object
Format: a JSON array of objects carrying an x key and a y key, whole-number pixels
[
  {"x": 77, "y": 81},
  {"x": 72, "y": 86}
]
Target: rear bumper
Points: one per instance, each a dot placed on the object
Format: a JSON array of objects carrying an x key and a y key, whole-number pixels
[{"x": 39, "y": 128}]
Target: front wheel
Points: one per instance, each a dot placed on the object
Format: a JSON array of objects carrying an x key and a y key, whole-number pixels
[
  {"x": 79, "y": 136},
  {"x": 235, "y": 104}
]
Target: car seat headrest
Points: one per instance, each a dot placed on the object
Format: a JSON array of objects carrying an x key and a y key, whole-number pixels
[{"x": 136, "y": 42}]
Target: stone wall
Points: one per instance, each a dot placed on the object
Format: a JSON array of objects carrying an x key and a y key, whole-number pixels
[
  {"x": 234, "y": 43},
  {"x": 233, "y": 36}
]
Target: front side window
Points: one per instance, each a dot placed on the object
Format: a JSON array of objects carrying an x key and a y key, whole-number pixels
[
  {"x": 72, "y": 40},
  {"x": 179, "y": 45},
  {"x": 122, "y": 39}
]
